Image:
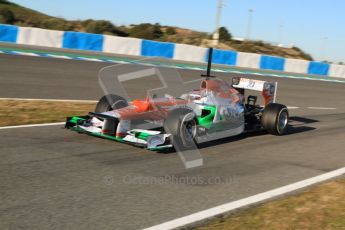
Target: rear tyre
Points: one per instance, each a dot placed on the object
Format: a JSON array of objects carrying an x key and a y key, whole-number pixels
[
  {"x": 275, "y": 118},
  {"x": 181, "y": 123},
  {"x": 110, "y": 102}
]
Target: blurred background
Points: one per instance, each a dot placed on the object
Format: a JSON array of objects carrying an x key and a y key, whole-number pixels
[{"x": 293, "y": 29}]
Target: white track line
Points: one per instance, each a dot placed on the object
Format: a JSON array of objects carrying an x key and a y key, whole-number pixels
[
  {"x": 52, "y": 100},
  {"x": 29, "y": 126},
  {"x": 59, "y": 56},
  {"x": 292, "y": 107},
  {"x": 225, "y": 208},
  {"x": 322, "y": 108},
  {"x": 26, "y": 54},
  {"x": 93, "y": 101},
  {"x": 89, "y": 59}
]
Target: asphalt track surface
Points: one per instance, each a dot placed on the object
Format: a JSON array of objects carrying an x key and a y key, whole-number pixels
[{"x": 51, "y": 178}]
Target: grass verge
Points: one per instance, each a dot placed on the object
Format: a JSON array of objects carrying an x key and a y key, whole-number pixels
[
  {"x": 321, "y": 207},
  {"x": 36, "y": 112}
]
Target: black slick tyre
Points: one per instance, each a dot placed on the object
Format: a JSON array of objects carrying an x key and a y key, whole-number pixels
[
  {"x": 275, "y": 118},
  {"x": 181, "y": 123},
  {"x": 110, "y": 102}
]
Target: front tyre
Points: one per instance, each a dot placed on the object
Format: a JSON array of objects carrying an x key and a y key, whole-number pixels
[
  {"x": 275, "y": 119},
  {"x": 181, "y": 123},
  {"x": 110, "y": 102}
]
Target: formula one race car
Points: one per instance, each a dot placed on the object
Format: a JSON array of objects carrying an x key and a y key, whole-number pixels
[{"x": 217, "y": 109}]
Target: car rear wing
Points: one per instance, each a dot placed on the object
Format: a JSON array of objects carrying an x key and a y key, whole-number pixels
[{"x": 268, "y": 89}]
